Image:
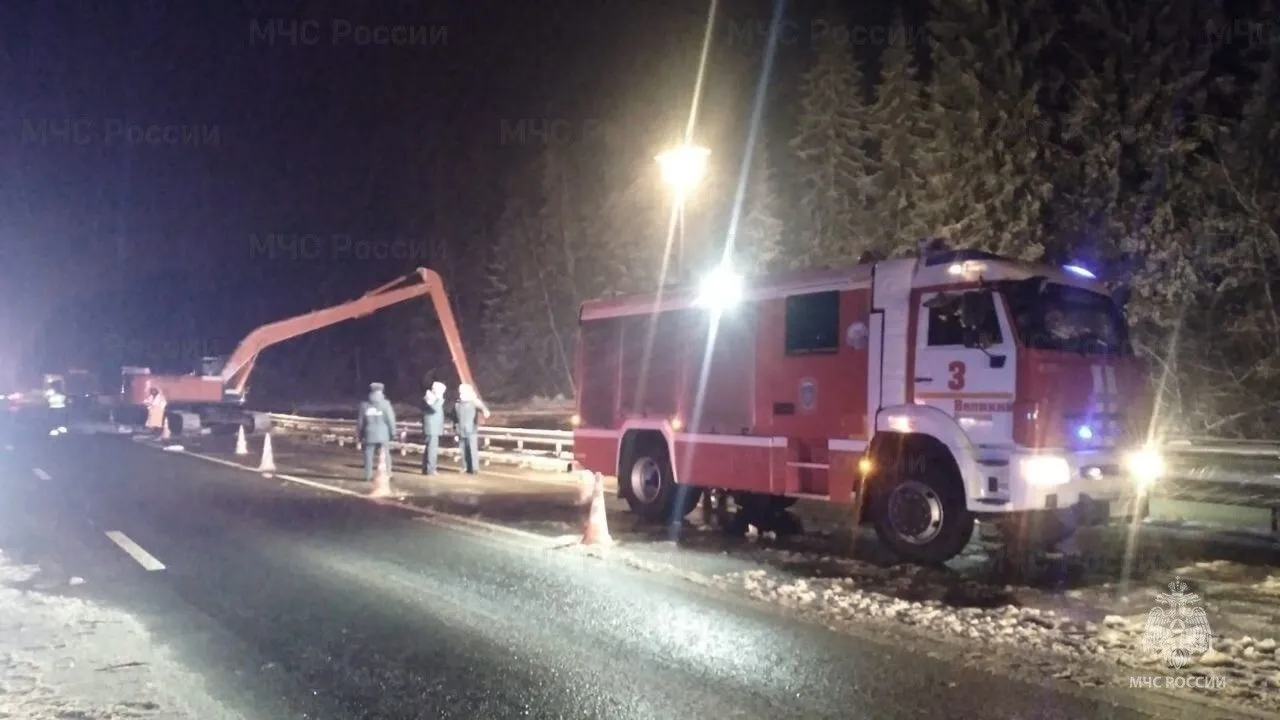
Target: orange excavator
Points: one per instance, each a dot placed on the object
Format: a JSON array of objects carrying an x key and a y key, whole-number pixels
[{"x": 214, "y": 395}]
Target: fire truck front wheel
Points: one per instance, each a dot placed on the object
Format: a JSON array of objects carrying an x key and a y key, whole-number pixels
[
  {"x": 919, "y": 509},
  {"x": 648, "y": 485}
]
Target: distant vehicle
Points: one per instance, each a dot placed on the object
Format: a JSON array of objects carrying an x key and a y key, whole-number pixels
[
  {"x": 928, "y": 392},
  {"x": 214, "y": 394}
]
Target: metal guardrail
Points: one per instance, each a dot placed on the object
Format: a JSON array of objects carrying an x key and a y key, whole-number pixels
[
  {"x": 1229, "y": 472},
  {"x": 542, "y": 449}
]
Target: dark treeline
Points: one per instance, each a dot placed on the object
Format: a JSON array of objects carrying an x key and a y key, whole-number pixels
[{"x": 1137, "y": 138}]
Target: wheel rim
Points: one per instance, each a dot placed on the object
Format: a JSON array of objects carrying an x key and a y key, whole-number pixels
[
  {"x": 646, "y": 480},
  {"x": 915, "y": 512}
]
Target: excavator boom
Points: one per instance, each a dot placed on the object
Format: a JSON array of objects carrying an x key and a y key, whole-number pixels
[
  {"x": 235, "y": 374},
  {"x": 233, "y": 379}
]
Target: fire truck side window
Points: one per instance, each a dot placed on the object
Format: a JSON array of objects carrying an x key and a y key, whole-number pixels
[
  {"x": 945, "y": 328},
  {"x": 813, "y": 323}
]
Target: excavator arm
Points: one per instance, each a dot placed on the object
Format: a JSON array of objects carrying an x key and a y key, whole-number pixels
[{"x": 235, "y": 373}]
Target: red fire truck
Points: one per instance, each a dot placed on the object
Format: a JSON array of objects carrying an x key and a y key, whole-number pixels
[{"x": 929, "y": 393}]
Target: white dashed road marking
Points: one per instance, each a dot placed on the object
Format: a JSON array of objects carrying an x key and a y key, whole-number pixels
[
  {"x": 42, "y": 474},
  {"x": 144, "y": 558}
]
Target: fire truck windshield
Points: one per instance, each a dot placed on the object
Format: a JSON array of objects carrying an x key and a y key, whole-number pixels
[{"x": 1050, "y": 316}]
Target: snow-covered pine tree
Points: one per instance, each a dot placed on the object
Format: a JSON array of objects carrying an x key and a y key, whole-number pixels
[
  {"x": 563, "y": 221},
  {"x": 628, "y": 230},
  {"x": 988, "y": 182},
  {"x": 1231, "y": 335},
  {"x": 899, "y": 125},
  {"x": 1135, "y": 190},
  {"x": 830, "y": 145},
  {"x": 508, "y": 327},
  {"x": 758, "y": 245}
]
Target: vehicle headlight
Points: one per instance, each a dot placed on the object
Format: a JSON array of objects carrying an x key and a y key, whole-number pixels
[
  {"x": 1045, "y": 470},
  {"x": 1145, "y": 466}
]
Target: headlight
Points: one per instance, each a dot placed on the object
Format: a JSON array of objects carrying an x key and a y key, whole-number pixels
[
  {"x": 1045, "y": 470},
  {"x": 1145, "y": 466}
]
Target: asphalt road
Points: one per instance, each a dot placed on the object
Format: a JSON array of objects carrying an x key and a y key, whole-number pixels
[{"x": 288, "y": 603}]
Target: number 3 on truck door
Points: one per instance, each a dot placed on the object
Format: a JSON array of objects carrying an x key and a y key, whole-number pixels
[{"x": 956, "y": 370}]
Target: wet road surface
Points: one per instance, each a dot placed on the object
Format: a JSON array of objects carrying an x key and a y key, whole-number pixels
[{"x": 292, "y": 602}]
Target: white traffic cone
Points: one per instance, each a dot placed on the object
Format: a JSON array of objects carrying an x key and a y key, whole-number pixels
[
  {"x": 164, "y": 429},
  {"x": 242, "y": 445},
  {"x": 586, "y": 487},
  {"x": 268, "y": 464},
  {"x": 382, "y": 477},
  {"x": 597, "y": 530}
]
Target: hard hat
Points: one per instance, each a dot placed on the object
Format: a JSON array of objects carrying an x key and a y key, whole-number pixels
[{"x": 375, "y": 387}]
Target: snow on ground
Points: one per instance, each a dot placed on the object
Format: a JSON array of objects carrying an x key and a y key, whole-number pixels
[
  {"x": 1075, "y": 615},
  {"x": 64, "y": 657},
  {"x": 984, "y": 625}
]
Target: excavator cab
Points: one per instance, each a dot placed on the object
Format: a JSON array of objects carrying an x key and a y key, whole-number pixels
[{"x": 211, "y": 365}]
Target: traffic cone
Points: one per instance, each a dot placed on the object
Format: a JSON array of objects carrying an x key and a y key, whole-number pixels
[
  {"x": 164, "y": 429},
  {"x": 382, "y": 478},
  {"x": 597, "y": 530},
  {"x": 586, "y": 487},
  {"x": 242, "y": 446},
  {"x": 268, "y": 464}
]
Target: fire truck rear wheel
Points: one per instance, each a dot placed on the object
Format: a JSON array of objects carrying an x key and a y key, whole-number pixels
[
  {"x": 919, "y": 510},
  {"x": 648, "y": 484}
]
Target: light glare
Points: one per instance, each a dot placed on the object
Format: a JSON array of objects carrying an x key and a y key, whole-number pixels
[{"x": 721, "y": 289}]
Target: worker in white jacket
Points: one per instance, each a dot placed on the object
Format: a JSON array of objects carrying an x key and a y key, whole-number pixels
[{"x": 156, "y": 405}]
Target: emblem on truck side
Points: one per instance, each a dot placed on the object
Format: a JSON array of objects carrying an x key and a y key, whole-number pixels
[
  {"x": 856, "y": 336},
  {"x": 808, "y": 394}
]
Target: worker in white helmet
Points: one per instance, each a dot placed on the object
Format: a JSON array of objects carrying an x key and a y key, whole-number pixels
[
  {"x": 432, "y": 426},
  {"x": 467, "y": 426}
]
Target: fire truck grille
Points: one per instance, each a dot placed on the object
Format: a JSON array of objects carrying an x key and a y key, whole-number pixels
[
  {"x": 1099, "y": 429},
  {"x": 1100, "y": 472}
]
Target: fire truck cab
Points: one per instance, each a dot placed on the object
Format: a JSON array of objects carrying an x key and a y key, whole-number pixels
[{"x": 928, "y": 393}]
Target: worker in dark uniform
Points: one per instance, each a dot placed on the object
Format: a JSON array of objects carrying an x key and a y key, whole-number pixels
[
  {"x": 432, "y": 426},
  {"x": 376, "y": 426},
  {"x": 468, "y": 427}
]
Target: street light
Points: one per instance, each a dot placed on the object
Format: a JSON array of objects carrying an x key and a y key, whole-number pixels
[{"x": 683, "y": 167}]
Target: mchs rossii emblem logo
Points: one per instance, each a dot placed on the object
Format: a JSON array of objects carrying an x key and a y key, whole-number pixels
[{"x": 1177, "y": 628}]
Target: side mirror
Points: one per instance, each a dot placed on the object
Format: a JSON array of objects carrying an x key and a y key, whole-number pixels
[{"x": 1121, "y": 295}]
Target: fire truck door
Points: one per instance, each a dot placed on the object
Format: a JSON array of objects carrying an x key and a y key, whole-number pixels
[{"x": 975, "y": 385}]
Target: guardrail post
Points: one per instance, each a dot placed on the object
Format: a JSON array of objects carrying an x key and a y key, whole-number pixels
[
  {"x": 520, "y": 445},
  {"x": 403, "y": 450}
]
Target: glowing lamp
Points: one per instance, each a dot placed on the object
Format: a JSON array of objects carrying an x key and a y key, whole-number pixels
[{"x": 721, "y": 289}]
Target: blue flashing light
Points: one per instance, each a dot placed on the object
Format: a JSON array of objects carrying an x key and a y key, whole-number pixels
[
  {"x": 1082, "y": 272},
  {"x": 1084, "y": 432}
]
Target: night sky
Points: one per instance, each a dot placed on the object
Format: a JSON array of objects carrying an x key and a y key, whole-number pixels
[{"x": 102, "y": 226}]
